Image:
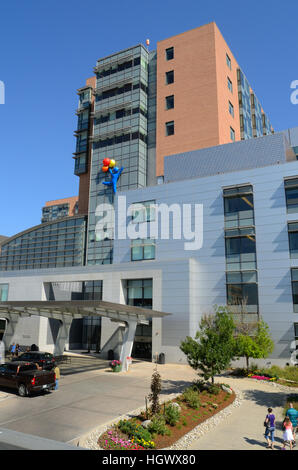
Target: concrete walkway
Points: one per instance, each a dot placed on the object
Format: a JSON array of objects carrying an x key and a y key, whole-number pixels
[{"x": 243, "y": 429}]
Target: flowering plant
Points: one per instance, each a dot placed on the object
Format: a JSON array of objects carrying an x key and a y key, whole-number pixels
[
  {"x": 115, "y": 363},
  {"x": 261, "y": 377},
  {"x": 112, "y": 441}
]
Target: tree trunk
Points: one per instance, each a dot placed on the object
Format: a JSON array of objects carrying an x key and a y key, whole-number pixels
[{"x": 247, "y": 363}]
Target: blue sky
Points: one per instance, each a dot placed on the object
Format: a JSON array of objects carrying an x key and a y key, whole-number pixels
[{"x": 48, "y": 49}]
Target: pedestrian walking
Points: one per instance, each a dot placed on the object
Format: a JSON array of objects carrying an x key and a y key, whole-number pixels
[
  {"x": 17, "y": 350},
  {"x": 12, "y": 349},
  {"x": 292, "y": 413},
  {"x": 57, "y": 374},
  {"x": 288, "y": 433},
  {"x": 270, "y": 429}
]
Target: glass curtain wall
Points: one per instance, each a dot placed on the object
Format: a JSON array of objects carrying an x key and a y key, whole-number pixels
[
  {"x": 240, "y": 249},
  {"x": 139, "y": 294}
]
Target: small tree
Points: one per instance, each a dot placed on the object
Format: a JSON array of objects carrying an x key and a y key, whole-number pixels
[
  {"x": 155, "y": 391},
  {"x": 212, "y": 349},
  {"x": 255, "y": 344}
]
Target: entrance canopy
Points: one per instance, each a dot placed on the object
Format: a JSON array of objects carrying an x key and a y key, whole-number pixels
[
  {"x": 80, "y": 309},
  {"x": 66, "y": 311}
]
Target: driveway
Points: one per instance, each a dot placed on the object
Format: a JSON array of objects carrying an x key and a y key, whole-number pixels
[{"x": 86, "y": 399}]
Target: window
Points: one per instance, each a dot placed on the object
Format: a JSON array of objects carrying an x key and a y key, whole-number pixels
[
  {"x": 240, "y": 252},
  {"x": 252, "y": 101},
  {"x": 242, "y": 289},
  {"x": 3, "y": 292},
  {"x": 229, "y": 64},
  {"x": 80, "y": 165},
  {"x": 230, "y": 85},
  {"x": 169, "y": 77},
  {"x": 139, "y": 292},
  {"x": 231, "y": 109},
  {"x": 232, "y": 134},
  {"x": 170, "y": 130},
  {"x": 143, "y": 212},
  {"x": 76, "y": 290},
  {"x": 294, "y": 274},
  {"x": 82, "y": 142},
  {"x": 291, "y": 189},
  {"x": 293, "y": 239},
  {"x": 238, "y": 207},
  {"x": 254, "y": 122},
  {"x": 142, "y": 249},
  {"x": 170, "y": 102},
  {"x": 170, "y": 53}
]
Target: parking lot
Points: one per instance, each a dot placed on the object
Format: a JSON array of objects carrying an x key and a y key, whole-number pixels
[{"x": 89, "y": 395}]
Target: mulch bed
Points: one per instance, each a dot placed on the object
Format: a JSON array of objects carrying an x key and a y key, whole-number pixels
[{"x": 190, "y": 418}]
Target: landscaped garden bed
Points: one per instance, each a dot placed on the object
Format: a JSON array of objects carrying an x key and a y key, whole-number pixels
[
  {"x": 287, "y": 376},
  {"x": 173, "y": 420}
]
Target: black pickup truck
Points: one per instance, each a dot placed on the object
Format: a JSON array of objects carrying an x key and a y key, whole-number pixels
[{"x": 26, "y": 378}]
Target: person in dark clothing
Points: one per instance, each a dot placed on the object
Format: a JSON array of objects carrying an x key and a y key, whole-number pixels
[{"x": 270, "y": 428}]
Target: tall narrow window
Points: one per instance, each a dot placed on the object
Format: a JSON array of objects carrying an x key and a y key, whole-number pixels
[
  {"x": 291, "y": 189},
  {"x": 3, "y": 292},
  {"x": 293, "y": 239},
  {"x": 169, "y": 77},
  {"x": 294, "y": 274},
  {"x": 230, "y": 85},
  {"x": 229, "y": 64},
  {"x": 170, "y": 53},
  {"x": 231, "y": 109},
  {"x": 170, "y": 102},
  {"x": 232, "y": 134},
  {"x": 170, "y": 129}
]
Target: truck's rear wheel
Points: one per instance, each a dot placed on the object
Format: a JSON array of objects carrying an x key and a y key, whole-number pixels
[{"x": 22, "y": 390}]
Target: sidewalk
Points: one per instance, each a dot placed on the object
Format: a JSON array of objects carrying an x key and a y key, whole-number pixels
[{"x": 243, "y": 429}]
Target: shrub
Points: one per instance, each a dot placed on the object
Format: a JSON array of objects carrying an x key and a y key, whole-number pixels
[
  {"x": 155, "y": 391},
  {"x": 191, "y": 398},
  {"x": 199, "y": 385},
  {"x": 172, "y": 414},
  {"x": 214, "y": 389},
  {"x": 158, "y": 426}
]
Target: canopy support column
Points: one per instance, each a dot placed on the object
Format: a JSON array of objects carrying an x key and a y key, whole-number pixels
[
  {"x": 11, "y": 326},
  {"x": 129, "y": 336},
  {"x": 63, "y": 335}
]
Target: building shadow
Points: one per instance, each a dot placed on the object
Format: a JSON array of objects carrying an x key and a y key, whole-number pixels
[
  {"x": 174, "y": 386},
  {"x": 266, "y": 399}
]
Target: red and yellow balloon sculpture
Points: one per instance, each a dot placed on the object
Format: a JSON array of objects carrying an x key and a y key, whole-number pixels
[{"x": 107, "y": 163}]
